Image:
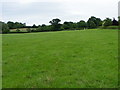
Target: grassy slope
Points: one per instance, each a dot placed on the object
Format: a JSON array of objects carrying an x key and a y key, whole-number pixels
[{"x": 61, "y": 59}]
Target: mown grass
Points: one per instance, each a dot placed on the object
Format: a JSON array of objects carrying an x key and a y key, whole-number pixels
[
  {"x": 66, "y": 59},
  {"x": 109, "y": 27}
]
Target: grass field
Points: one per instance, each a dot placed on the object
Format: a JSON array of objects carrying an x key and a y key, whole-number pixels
[{"x": 65, "y": 59}]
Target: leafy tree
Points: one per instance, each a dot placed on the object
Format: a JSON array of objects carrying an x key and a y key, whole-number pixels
[
  {"x": 69, "y": 25},
  {"x": 91, "y": 24},
  {"x": 74, "y": 26},
  {"x": 43, "y": 25},
  {"x": 34, "y": 26},
  {"x": 15, "y": 25},
  {"x": 4, "y": 27},
  {"x": 82, "y": 24},
  {"x": 114, "y": 22},
  {"x": 11, "y": 25},
  {"x": 44, "y": 28},
  {"x": 97, "y": 22},
  {"x": 119, "y": 20},
  {"x": 107, "y": 22},
  {"x": 55, "y": 24}
]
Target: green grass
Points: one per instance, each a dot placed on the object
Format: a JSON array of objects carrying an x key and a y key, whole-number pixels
[
  {"x": 109, "y": 27},
  {"x": 65, "y": 59}
]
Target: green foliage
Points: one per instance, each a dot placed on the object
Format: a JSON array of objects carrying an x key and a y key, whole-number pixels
[
  {"x": 69, "y": 26},
  {"x": 44, "y": 28},
  {"x": 91, "y": 24},
  {"x": 74, "y": 59},
  {"x": 119, "y": 20},
  {"x": 107, "y": 22},
  {"x": 10, "y": 25},
  {"x": 34, "y": 26},
  {"x": 17, "y": 30},
  {"x": 4, "y": 27},
  {"x": 15, "y": 25},
  {"x": 55, "y": 24},
  {"x": 29, "y": 30},
  {"x": 82, "y": 24},
  {"x": 94, "y": 22},
  {"x": 114, "y": 22}
]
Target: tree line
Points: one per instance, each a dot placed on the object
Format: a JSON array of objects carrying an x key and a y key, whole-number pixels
[{"x": 91, "y": 23}]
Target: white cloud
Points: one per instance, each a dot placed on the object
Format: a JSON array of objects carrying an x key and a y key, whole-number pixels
[{"x": 66, "y": 10}]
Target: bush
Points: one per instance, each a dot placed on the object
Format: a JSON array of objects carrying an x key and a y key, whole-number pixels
[
  {"x": 17, "y": 30},
  {"x": 4, "y": 27},
  {"x": 28, "y": 30}
]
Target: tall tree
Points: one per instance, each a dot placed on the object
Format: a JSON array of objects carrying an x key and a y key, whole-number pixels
[
  {"x": 119, "y": 20},
  {"x": 91, "y": 24},
  {"x": 11, "y": 25},
  {"x": 67, "y": 25},
  {"x": 4, "y": 27},
  {"x": 15, "y": 25},
  {"x": 114, "y": 22},
  {"x": 55, "y": 24},
  {"x": 82, "y": 24},
  {"x": 97, "y": 22},
  {"x": 34, "y": 26},
  {"x": 107, "y": 22}
]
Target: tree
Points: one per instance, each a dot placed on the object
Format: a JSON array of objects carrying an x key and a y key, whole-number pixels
[
  {"x": 34, "y": 26},
  {"x": 69, "y": 25},
  {"x": 114, "y": 22},
  {"x": 119, "y": 20},
  {"x": 42, "y": 28},
  {"x": 91, "y": 25},
  {"x": 82, "y": 24},
  {"x": 15, "y": 25},
  {"x": 4, "y": 27},
  {"x": 97, "y": 22},
  {"x": 11, "y": 25},
  {"x": 43, "y": 25},
  {"x": 107, "y": 22},
  {"x": 55, "y": 24}
]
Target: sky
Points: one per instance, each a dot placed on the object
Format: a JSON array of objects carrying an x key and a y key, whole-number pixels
[{"x": 42, "y": 11}]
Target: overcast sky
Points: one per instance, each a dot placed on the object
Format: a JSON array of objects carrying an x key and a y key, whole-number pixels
[{"x": 42, "y": 11}]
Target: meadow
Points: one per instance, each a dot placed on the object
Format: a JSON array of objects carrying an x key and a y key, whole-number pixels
[{"x": 63, "y": 59}]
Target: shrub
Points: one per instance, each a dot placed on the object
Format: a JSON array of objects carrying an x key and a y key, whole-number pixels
[
  {"x": 17, "y": 30},
  {"x": 4, "y": 28},
  {"x": 28, "y": 30}
]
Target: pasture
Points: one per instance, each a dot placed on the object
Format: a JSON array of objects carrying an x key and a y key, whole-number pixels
[{"x": 63, "y": 59}]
